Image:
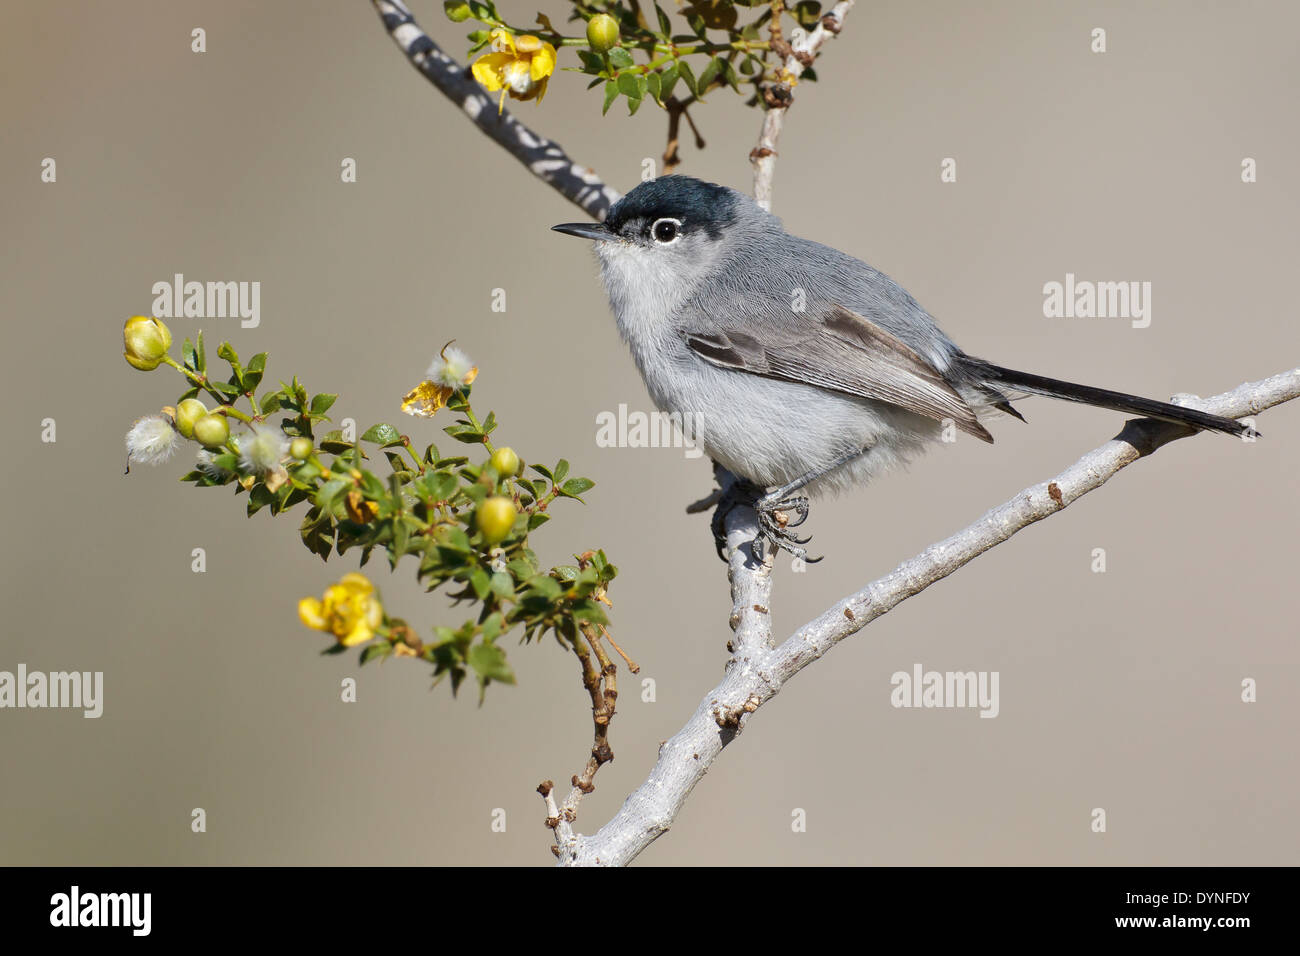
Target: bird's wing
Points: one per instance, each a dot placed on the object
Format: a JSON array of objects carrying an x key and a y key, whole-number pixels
[{"x": 841, "y": 351}]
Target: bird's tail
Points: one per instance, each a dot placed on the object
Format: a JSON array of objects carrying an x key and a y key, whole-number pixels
[{"x": 1104, "y": 398}]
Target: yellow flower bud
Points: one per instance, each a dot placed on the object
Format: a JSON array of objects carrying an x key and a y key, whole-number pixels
[
  {"x": 212, "y": 431},
  {"x": 602, "y": 32},
  {"x": 147, "y": 341},
  {"x": 301, "y": 448},
  {"x": 506, "y": 462},
  {"x": 188, "y": 412},
  {"x": 495, "y": 518}
]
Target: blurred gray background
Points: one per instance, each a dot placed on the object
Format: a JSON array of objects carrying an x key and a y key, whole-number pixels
[{"x": 1118, "y": 690}]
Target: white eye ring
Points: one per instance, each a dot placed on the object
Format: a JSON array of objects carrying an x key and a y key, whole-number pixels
[{"x": 677, "y": 230}]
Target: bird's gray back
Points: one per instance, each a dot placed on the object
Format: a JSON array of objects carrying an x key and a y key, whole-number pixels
[{"x": 779, "y": 281}]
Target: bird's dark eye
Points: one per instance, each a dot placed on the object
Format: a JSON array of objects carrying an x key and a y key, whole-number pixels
[{"x": 665, "y": 230}]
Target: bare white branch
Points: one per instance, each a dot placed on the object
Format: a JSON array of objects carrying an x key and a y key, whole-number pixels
[
  {"x": 799, "y": 54},
  {"x": 756, "y": 671}
]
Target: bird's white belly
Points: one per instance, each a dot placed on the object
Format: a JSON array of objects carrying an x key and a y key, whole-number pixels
[{"x": 774, "y": 432}]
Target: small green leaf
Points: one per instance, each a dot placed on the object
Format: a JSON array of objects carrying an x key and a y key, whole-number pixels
[
  {"x": 611, "y": 94},
  {"x": 665, "y": 25},
  {"x": 629, "y": 84},
  {"x": 465, "y": 433},
  {"x": 667, "y": 81},
  {"x": 320, "y": 404},
  {"x": 729, "y": 74},
  {"x": 688, "y": 77},
  {"x": 709, "y": 75},
  {"x": 619, "y": 58},
  {"x": 439, "y": 485},
  {"x": 327, "y": 492},
  {"x": 374, "y": 651},
  {"x": 489, "y": 662},
  {"x": 382, "y": 434},
  {"x": 480, "y": 582},
  {"x": 334, "y": 443},
  {"x": 576, "y": 486}
]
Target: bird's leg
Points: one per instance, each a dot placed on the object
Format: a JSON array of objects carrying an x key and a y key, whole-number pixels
[
  {"x": 774, "y": 510},
  {"x": 735, "y": 494}
]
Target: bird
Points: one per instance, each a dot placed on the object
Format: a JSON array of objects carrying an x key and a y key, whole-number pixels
[{"x": 806, "y": 371}]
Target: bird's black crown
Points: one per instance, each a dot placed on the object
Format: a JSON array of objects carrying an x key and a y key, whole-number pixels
[{"x": 696, "y": 203}]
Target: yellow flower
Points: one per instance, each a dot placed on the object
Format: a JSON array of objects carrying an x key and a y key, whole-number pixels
[
  {"x": 519, "y": 66},
  {"x": 350, "y": 610}
]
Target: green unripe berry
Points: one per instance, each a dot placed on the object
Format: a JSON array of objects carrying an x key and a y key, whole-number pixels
[
  {"x": 189, "y": 411},
  {"x": 495, "y": 518},
  {"x": 457, "y": 11},
  {"x": 301, "y": 448},
  {"x": 212, "y": 431},
  {"x": 506, "y": 462},
  {"x": 602, "y": 32}
]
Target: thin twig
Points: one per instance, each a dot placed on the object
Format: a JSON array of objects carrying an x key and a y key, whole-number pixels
[{"x": 795, "y": 56}]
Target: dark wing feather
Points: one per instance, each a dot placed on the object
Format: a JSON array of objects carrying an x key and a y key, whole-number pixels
[{"x": 843, "y": 352}]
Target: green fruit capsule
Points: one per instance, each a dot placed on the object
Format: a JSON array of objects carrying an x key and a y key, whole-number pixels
[
  {"x": 602, "y": 32},
  {"x": 495, "y": 518},
  {"x": 189, "y": 411},
  {"x": 506, "y": 462},
  {"x": 212, "y": 431}
]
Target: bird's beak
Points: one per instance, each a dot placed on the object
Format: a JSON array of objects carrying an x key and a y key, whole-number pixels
[{"x": 584, "y": 230}]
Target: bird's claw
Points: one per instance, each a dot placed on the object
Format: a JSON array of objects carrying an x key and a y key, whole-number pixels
[
  {"x": 774, "y": 523},
  {"x": 776, "y": 517}
]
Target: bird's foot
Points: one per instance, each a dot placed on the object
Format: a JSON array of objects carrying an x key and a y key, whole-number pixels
[
  {"x": 736, "y": 494},
  {"x": 776, "y": 516}
]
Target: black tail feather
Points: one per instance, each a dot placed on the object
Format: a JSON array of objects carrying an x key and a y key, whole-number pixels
[{"x": 1104, "y": 398}]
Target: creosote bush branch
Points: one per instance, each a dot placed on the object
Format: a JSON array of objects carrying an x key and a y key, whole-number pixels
[
  {"x": 465, "y": 523},
  {"x": 632, "y": 51}
]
